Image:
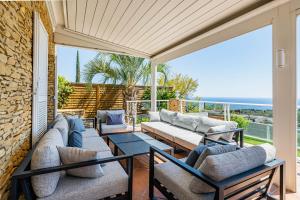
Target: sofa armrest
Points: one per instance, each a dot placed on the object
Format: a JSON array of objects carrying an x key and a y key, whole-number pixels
[
  {"x": 87, "y": 120},
  {"x": 238, "y": 135}
]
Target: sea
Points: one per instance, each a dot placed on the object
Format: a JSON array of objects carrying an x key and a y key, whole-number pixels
[{"x": 243, "y": 100}]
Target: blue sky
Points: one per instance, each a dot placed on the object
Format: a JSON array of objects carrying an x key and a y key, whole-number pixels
[{"x": 239, "y": 67}]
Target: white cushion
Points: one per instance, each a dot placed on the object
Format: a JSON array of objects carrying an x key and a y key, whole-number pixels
[
  {"x": 46, "y": 155},
  {"x": 62, "y": 125},
  {"x": 154, "y": 116},
  {"x": 188, "y": 139},
  {"x": 114, "y": 128},
  {"x": 114, "y": 181},
  {"x": 69, "y": 155},
  {"x": 94, "y": 144},
  {"x": 90, "y": 132},
  {"x": 177, "y": 181},
  {"x": 167, "y": 116},
  {"x": 186, "y": 121}
]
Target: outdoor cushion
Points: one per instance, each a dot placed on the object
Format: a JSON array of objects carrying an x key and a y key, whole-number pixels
[
  {"x": 189, "y": 122},
  {"x": 154, "y": 116},
  {"x": 167, "y": 116},
  {"x": 70, "y": 155},
  {"x": 214, "y": 150},
  {"x": 94, "y": 144},
  {"x": 113, "y": 128},
  {"x": 215, "y": 129},
  {"x": 76, "y": 124},
  {"x": 222, "y": 166},
  {"x": 114, "y": 181},
  {"x": 195, "y": 153},
  {"x": 177, "y": 181},
  {"x": 62, "y": 125},
  {"x": 90, "y": 132},
  {"x": 114, "y": 119},
  {"x": 75, "y": 139},
  {"x": 46, "y": 155},
  {"x": 102, "y": 114},
  {"x": 188, "y": 139}
]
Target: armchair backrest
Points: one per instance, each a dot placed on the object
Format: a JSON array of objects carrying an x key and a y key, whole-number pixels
[{"x": 102, "y": 114}]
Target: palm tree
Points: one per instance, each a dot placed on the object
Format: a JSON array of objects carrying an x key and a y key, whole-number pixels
[{"x": 124, "y": 70}]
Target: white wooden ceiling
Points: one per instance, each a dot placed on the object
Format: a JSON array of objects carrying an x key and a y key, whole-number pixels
[{"x": 147, "y": 26}]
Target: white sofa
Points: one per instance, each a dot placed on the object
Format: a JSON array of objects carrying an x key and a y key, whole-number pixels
[
  {"x": 188, "y": 131},
  {"x": 58, "y": 185}
]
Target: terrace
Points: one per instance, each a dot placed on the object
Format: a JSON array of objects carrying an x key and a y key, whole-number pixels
[{"x": 158, "y": 31}]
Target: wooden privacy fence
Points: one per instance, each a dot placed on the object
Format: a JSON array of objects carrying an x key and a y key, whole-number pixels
[{"x": 98, "y": 97}]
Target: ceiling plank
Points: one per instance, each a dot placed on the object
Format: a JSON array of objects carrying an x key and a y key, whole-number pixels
[
  {"x": 89, "y": 14},
  {"x": 158, "y": 6},
  {"x": 71, "y": 11},
  {"x": 120, "y": 12},
  {"x": 200, "y": 22},
  {"x": 107, "y": 17},
  {"x": 134, "y": 6},
  {"x": 135, "y": 19},
  {"x": 101, "y": 7},
  {"x": 80, "y": 14},
  {"x": 155, "y": 20}
]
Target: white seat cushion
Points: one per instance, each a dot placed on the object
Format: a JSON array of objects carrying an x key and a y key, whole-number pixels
[
  {"x": 114, "y": 181},
  {"x": 114, "y": 128},
  {"x": 94, "y": 144},
  {"x": 177, "y": 181},
  {"x": 162, "y": 129},
  {"x": 90, "y": 132},
  {"x": 189, "y": 139}
]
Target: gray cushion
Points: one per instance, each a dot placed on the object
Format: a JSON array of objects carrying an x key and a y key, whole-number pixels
[
  {"x": 177, "y": 181},
  {"x": 189, "y": 122},
  {"x": 222, "y": 166},
  {"x": 154, "y": 116},
  {"x": 113, "y": 128},
  {"x": 214, "y": 150},
  {"x": 62, "y": 125},
  {"x": 195, "y": 153},
  {"x": 215, "y": 129},
  {"x": 167, "y": 116},
  {"x": 46, "y": 155},
  {"x": 94, "y": 144},
  {"x": 114, "y": 181},
  {"x": 102, "y": 114},
  {"x": 90, "y": 132},
  {"x": 70, "y": 155}
]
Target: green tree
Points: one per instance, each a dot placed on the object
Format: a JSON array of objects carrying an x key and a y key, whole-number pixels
[
  {"x": 64, "y": 91},
  {"x": 184, "y": 84},
  {"x": 242, "y": 122},
  {"x": 122, "y": 69},
  {"x": 77, "y": 68}
]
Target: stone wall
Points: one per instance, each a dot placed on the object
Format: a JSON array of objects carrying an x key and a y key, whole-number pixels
[{"x": 16, "y": 28}]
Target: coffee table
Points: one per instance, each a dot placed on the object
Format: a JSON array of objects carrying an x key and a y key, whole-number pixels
[{"x": 136, "y": 143}]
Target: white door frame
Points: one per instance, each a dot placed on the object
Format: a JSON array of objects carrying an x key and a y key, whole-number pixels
[{"x": 39, "y": 124}]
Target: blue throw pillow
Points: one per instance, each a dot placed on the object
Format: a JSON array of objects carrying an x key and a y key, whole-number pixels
[
  {"x": 75, "y": 139},
  {"x": 195, "y": 153},
  {"x": 114, "y": 119},
  {"x": 76, "y": 124}
]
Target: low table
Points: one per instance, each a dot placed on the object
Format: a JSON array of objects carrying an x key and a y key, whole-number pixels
[{"x": 136, "y": 143}]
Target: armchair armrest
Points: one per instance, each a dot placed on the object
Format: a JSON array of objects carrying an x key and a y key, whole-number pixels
[{"x": 238, "y": 135}]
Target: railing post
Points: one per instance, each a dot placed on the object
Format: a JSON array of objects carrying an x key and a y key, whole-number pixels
[
  {"x": 225, "y": 112},
  {"x": 228, "y": 114}
]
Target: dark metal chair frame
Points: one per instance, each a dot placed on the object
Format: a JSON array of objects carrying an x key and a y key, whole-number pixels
[
  {"x": 21, "y": 177},
  {"x": 254, "y": 183}
]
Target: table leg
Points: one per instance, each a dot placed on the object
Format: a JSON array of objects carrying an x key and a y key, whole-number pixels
[{"x": 115, "y": 150}]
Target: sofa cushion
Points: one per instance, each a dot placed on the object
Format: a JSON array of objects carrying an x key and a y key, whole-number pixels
[
  {"x": 195, "y": 153},
  {"x": 215, "y": 129},
  {"x": 167, "y": 116},
  {"x": 114, "y": 128},
  {"x": 90, "y": 132},
  {"x": 102, "y": 114},
  {"x": 189, "y": 122},
  {"x": 62, "y": 125},
  {"x": 177, "y": 181},
  {"x": 46, "y": 155},
  {"x": 154, "y": 116},
  {"x": 75, "y": 139},
  {"x": 94, "y": 144},
  {"x": 76, "y": 124},
  {"x": 114, "y": 119},
  {"x": 214, "y": 150},
  {"x": 70, "y": 155},
  {"x": 188, "y": 139},
  {"x": 114, "y": 181}
]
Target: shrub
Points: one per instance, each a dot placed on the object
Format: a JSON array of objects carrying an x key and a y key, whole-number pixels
[
  {"x": 64, "y": 91},
  {"x": 242, "y": 122}
]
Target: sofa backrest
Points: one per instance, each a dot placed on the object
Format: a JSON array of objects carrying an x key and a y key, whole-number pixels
[
  {"x": 102, "y": 114},
  {"x": 205, "y": 123},
  {"x": 167, "y": 116},
  {"x": 189, "y": 122}
]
